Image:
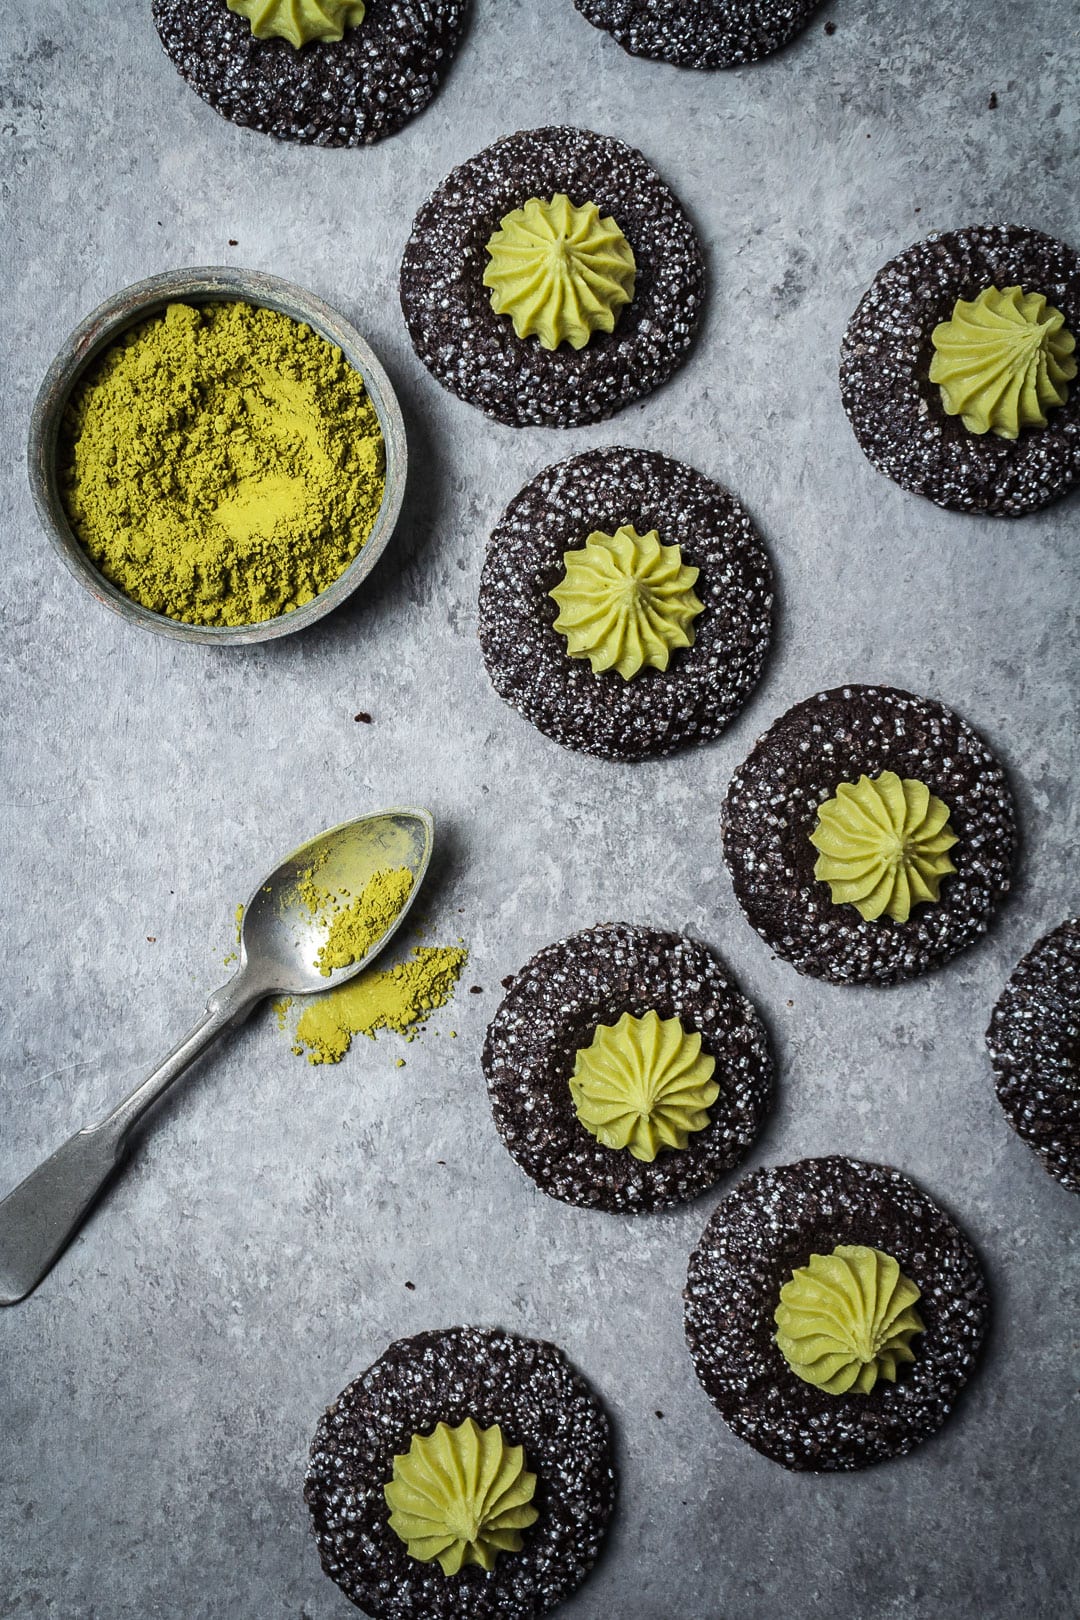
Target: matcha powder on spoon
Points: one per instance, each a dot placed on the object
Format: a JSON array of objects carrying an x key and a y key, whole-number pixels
[{"x": 222, "y": 464}]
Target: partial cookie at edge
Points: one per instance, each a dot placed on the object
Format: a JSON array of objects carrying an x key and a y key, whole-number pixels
[
  {"x": 1034, "y": 1045},
  {"x": 895, "y": 410},
  {"x": 346, "y": 92},
  {"x": 526, "y": 1386},
  {"x": 707, "y": 34}
]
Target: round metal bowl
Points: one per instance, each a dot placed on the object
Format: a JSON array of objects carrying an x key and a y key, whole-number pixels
[{"x": 205, "y": 286}]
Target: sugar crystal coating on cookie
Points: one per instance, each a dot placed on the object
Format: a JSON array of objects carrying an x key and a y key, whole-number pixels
[
  {"x": 1034, "y": 1044},
  {"x": 552, "y": 1011},
  {"x": 527, "y": 1389},
  {"x": 704, "y": 34},
  {"x": 772, "y": 808},
  {"x": 704, "y": 685},
  {"x": 758, "y": 1236},
  {"x": 346, "y": 92},
  {"x": 896, "y": 409},
  {"x": 476, "y": 353}
]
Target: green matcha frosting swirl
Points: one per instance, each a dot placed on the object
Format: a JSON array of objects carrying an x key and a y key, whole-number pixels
[
  {"x": 626, "y": 601},
  {"x": 299, "y": 21},
  {"x": 1002, "y": 361},
  {"x": 847, "y": 1319},
  {"x": 883, "y": 844},
  {"x": 461, "y": 1496},
  {"x": 561, "y": 273},
  {"x": 643, "y": 1084}
]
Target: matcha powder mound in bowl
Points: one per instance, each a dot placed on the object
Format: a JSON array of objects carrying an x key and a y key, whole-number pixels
[{"x": 218, "y": 456}]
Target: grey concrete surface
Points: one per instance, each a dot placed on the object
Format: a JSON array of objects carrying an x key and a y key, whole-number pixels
[{"x": 159, "y": 1392}]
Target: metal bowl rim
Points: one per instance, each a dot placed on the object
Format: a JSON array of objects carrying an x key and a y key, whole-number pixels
[{"x": 208, "y": 284}]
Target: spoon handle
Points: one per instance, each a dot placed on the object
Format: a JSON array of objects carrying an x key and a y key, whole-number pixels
[{"x": 43, "y": 1213}]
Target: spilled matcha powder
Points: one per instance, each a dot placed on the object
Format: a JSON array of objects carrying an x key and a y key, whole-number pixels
[
  {"x": 221, "y": 465},
  {"x": 398, "y": 998}
]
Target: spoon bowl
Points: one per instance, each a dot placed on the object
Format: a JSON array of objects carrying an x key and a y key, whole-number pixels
[{"x": 281, "y": 933}]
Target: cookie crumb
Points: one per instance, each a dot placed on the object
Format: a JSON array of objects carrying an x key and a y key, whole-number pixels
[
  {"x": 476, "y": 989},
  {"x": 830, "y": 28},
  {"x": 993, "y": 102},
  {"x": 233, "y": 242},
  {"x": 411, "y": 1286},
  {"x": 364, "y": 718}
]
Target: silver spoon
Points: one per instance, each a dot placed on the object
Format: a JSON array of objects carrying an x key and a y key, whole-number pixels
[{"x": 279, "y": 941}]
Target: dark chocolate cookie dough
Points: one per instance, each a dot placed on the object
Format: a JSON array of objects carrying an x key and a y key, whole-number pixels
[
  {"x": 476, "y": 353},
  {"x": 771, "y": 810},
  {"x": 552, "y": 1010},
  {"x": 1034, "y": 1042},
  {"x": 759, "y": 1234},
  {"x": 530, "y": 1390},
  {"x": 895, "y": 409},
  {"x": 656, "y": 711},
  {"x": 702, "y": 34},
  {"x": 345, "y": 92}
]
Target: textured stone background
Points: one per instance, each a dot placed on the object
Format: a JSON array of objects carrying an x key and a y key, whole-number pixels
[{"x": 158, "y": 1393}]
